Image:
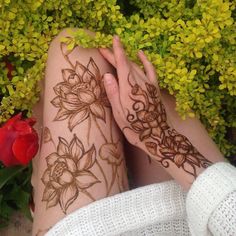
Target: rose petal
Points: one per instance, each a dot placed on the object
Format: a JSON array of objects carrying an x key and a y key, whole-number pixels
[
  {"x": 11, "y": 121},
  {"x": 25, "y": 148},
  {"x": 87, "y": 160},
  {"x": 22, "y": 127},
  {"x": 68, "y": 196},
  {"x": 86, "y": 179},
  {"x": 6, "y": 141}
]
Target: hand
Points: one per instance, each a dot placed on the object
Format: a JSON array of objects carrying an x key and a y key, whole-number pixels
[{"x": 138, "y": 110}]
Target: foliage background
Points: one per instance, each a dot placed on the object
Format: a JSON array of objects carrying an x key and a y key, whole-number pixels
[{"x": 191, "y": 42}]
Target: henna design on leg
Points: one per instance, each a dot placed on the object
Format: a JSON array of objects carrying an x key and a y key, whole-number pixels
[
  {"x": 67, "y": 169},
  {"x": 80, "y": 98},
  {"x": 148, "y": 119}
]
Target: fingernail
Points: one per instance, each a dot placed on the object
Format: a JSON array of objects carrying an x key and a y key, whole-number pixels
[
  {"x": 116, "y": 37},
  {"x": 108, "y": 79},
  {"x": 141, "y": 52}
]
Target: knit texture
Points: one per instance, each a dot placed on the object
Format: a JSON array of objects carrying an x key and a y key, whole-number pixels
[
  {"x": 158, "y": 209},
  {"x": 206, "y": 193}
]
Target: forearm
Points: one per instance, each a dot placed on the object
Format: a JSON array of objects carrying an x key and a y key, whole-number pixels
[{"x": 200, "y": 151}]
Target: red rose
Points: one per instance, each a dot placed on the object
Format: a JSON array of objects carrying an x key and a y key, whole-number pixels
[{"x": 18, "y": 141}]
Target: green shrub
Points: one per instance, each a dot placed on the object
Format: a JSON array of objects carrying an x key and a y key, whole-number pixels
[{"x": 191, "y": 43}]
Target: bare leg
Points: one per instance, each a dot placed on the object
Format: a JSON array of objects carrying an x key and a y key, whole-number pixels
[
  {"x": 81, "y": 158},
  {"x": 144, "y": 171}
]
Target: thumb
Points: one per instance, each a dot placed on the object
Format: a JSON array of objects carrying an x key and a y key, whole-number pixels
[
  {"x": 112, "y": 89},
  {"x": 113, "y": 94}
]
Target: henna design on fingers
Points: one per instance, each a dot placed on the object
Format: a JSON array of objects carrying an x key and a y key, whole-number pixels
[{"x": 148, "y": 119}]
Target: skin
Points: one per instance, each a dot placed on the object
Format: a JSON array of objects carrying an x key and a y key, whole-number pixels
[{"x": 185, "y": 165}]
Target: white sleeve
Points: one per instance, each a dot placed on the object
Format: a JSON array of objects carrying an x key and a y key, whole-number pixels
[{"x": 211, "y": 202}]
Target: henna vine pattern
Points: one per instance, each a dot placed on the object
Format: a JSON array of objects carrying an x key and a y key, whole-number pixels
[
  {"x": 149, "y": 120},
  {"x": 68, "y": 173}
]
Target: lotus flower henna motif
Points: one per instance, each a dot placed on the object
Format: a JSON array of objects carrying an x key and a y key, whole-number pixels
[
  {"x": 150, "y": 120},
  {"x": 80, "y": 95},
  {"x": 68, "y": 172},
  {"x": 178, "y": 148}
]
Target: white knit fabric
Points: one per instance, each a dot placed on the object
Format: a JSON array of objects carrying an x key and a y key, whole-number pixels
[{"x": 162, "y": 209}]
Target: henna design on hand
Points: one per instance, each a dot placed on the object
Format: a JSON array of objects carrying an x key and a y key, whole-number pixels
[{"x": 149, "y": 120}]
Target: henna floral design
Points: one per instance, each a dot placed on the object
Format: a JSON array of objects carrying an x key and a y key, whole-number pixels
[
  {"x": 68, "y": 173},
  {"x": 111, "y": 153},
  {"x": 79, "y": 97},
  {"x": 148, "y": 119},
  {"x": 81, "y": 94}
]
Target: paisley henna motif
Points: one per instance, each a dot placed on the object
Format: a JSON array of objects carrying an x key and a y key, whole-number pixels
[{"x": 148, "y": 119}]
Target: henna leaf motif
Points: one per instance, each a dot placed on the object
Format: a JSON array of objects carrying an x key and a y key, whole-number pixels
[
  {"x": 47, "y": 137},
  {"x": 111, "y": 152}
]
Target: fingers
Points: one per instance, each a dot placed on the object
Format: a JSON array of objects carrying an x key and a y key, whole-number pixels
[
  {"x": 113, "y": 94},
  {"x": 108, "y": 55},
  {"x": 122, "y": 62},
  {"x": 149, "y": 68}
]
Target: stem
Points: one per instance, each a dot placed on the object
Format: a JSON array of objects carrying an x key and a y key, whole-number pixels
[
  {"x": 54, "y": 144},
  {"x": 104, "y": 176},
  {"x": 114, "y": 173},
  {"x": 111, "y": 128},
  {"x": 88, "y": 194},
  {"x": 99, "y": 129},
  {"x": 67, "y": 59},
  {"x": 118, "y": 178},
  {"x": 89, "y": 128}
]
